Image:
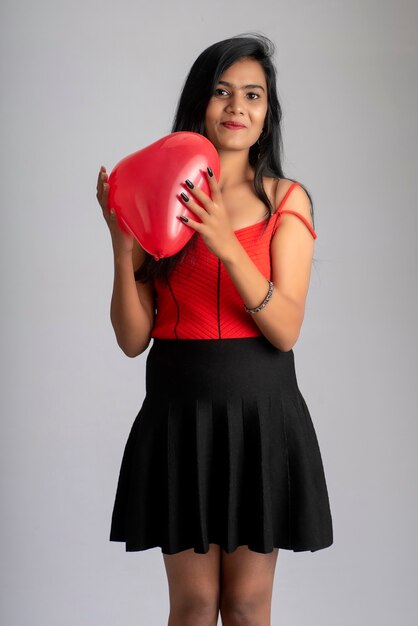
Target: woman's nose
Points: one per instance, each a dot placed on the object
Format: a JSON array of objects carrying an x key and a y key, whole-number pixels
[{"x": 235, "y": 105}]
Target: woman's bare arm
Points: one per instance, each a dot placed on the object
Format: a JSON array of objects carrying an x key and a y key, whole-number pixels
[
  {"x": 132, "y": 303},
  {"x": 132, "y": 307},
  {"x": 292, "y": 249}
]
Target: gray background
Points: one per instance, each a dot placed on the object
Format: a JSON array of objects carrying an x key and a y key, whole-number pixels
[{"x": 85, "y": 84}]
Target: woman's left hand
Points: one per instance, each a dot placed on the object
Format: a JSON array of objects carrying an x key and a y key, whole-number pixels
[{"x": 215, "y": 227}]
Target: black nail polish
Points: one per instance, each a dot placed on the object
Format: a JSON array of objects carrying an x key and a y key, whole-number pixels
[
  {"x": 210, "y": 172},
  {"x": 185, "y": 198},
  {"x": 184, "y": 218},
  {"x": 189, "y": 184}
]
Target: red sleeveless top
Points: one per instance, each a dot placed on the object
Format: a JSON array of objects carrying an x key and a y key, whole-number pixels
[{"x": 201, "y": 300}]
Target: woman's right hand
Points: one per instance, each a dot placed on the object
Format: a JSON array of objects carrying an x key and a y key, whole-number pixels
[{"x": 122, "y": 241}]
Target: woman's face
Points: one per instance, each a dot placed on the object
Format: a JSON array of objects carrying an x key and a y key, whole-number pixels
[{"x": 241, "y": 97}]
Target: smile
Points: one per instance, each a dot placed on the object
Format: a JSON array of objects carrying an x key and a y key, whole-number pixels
[{"x": 233, "y": 126}]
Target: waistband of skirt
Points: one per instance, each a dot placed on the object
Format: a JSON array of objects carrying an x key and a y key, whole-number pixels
[
  {"x": 215, "y": 341},
  {"x": 218, "y": 367},
  {"x": 257, "y": 343}
]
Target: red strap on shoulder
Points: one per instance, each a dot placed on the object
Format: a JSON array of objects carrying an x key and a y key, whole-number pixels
[
  {"x": 280, "y": 212},
  {"x": 303, "y": 220},
  {"x": 286, "y": 195}
]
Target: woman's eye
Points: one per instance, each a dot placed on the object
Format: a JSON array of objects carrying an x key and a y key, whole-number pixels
[{"x": 252, "y": 95}]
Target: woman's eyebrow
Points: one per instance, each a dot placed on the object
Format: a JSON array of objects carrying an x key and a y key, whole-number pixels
[{"x": 252, "y": 86}]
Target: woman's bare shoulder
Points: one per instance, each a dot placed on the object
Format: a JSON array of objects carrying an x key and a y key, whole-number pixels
[
  {"x": 298, "y": 200},
  {"x": 276, "y": 188}
]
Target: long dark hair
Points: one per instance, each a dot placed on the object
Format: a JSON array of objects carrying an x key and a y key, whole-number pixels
[{"x": 264, "y": 155}]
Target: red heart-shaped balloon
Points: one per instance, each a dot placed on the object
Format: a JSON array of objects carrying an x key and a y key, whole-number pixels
[{"x": 145, "y": 186}]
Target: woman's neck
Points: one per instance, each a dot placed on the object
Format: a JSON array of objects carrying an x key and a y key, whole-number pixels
[{"x": 235, "y": 168}]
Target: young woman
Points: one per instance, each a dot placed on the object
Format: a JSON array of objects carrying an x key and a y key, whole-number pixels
[{"x": 222, "y": 466}]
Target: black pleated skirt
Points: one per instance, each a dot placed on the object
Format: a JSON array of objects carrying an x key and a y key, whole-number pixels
[{"x": 223, "y": 450}]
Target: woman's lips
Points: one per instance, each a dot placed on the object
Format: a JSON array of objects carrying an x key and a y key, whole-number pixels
[{"x": 233, "y": 126}]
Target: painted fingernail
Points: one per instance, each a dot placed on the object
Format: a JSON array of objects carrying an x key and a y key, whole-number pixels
[
  {"x": 184, "y": 218},
  {"x": 189, "y": 183},
  {"x": 185, "y": 198},
  {"x": 210, "y": 172}
]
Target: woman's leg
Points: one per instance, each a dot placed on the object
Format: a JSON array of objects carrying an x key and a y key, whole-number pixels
[
  {"x": 193, "y": 581},
  {"x": 247, "y": 587}
]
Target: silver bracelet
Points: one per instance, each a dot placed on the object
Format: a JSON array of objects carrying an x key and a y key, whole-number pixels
[{"x": 263, "y": 304}]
